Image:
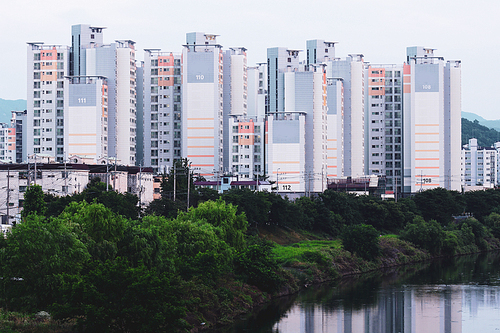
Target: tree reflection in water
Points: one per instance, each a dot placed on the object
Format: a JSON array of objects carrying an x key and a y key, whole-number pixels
[{"x": 427, "y": 297}]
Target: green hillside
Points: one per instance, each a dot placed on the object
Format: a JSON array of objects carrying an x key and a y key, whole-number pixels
[
  {"x": 6, "y": 106},
  {"x": 485, "y": 136}
]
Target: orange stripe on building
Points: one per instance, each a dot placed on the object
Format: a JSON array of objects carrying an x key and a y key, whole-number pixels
[
  {"x": 82, "y": 134},
  {"x": 331, "y": 139},
  {"x": 426, "y": 167},
  {"x": 284, "y": 182},
  {"x": 331, "y": 175},
  {"x": 331, "y": 148},
  {"x": 331, "y": 166},
  {"x": 332, "y": 157},
  {"x": 427, "y": 150}
]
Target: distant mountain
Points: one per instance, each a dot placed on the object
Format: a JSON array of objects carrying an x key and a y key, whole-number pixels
[
  {"x": 9, "y": 105},
  {"x": 495, "y": 124}
]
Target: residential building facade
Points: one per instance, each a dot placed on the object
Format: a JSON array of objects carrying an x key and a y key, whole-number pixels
[
  {"x": 162, "y": 102},
  {"x": 202, "y": 103}
]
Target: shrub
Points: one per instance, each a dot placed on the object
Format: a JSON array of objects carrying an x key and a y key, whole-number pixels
[
  {"x": 426, "y": 235},
  {"x": 257, "y": 266},
  {"x": 361, "y": 239}
]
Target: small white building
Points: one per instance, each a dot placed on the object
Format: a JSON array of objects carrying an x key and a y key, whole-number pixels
[
  {"x": 478, "y": 165},
  {"x": 56, "y": 179}
]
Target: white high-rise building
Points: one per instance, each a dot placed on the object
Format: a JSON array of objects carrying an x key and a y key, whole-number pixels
[
  {"x": 116, "y": 62},
  {"x": 85, "y": 117},
  {"x": 479, "y": 165},
  {"x": 235, "y": 96},
  {"x": 384, "y": 127},
  {"x": 346, "y": 103},
  {"x": 296, "y": 150},
  {"x": 431, "y": 121},
  {"x": 48, "y": 65},
  {"x": 161, "y": 109},
  {"x": 202, "y": 102}
]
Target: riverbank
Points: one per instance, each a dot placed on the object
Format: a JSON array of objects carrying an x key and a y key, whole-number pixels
[
  {"x": 307, "y": 262},
  {"x": 304, "y": 260}
]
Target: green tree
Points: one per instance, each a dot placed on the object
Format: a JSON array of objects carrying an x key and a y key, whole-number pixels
[
  {"x": 256, "y": 265},
  {"x": 33, "y": 201},
  {"x": 482, "y": 203},
  {"x": 253, "y": 203},
  {"x": 178, "y": 174},
  {"x": 361, "y": 239},
  {"x": 343, "y": 204},
  {"x": 34, "y": 256},
  {"x": 439, "y": 204},
  {"x": 229, "y": 226},
  {"x": 114, "y": 296},
  {"x": 123, "y": 204},
  {"x": 426, "y": 235}
]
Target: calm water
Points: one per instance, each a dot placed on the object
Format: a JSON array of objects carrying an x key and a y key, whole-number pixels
[{"x": 450, "y": 296}]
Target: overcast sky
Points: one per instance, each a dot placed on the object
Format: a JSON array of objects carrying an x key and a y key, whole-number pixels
[{"x": 381, "y": 30}]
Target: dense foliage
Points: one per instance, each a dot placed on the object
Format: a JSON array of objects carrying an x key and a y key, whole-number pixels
[
  {"x": 485, "y": 136},
  {"x": 96, "y": 258}
]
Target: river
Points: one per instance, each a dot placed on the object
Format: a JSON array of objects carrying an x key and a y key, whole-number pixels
[{"x": 457, "y": 295}]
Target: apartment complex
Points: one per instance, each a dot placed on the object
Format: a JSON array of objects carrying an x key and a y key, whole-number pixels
[
  {"x": 202, "y": 103},
  {"x": 432, "y": 121},
  {"x": 161, "y": 115},
  {"x": 82, "y": 99},
  {"x": 346, "y": 102},
  {"x": 479, "y": 165},
  {"x": 298, "y": 122},
  {"x": 384, "y": 109},
  {"x": 48, "y": 67},
  {"x": 7, "y": 143}
]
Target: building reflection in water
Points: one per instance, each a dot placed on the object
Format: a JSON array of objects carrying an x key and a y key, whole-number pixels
[{"x": 415, "y": 309}]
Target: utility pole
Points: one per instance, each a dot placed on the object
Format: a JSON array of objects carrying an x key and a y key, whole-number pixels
[
  {"x": 278, "y": 180},
  {"x": 35, "y": 169},
  {"x": 140, "y": 185},
  {"x": 8, "y": 194},
  {"x": 396, "y": 192},
  {"x": 421, "y": 180},
  {"x": 29, "y": 173},
  {"x": 114, "y": 178},
  {"x": 107, "y": 176},
  {"x": 65, "y": 176},
  {"x": 175, "y": 181},
  {"x": 189, "y": 184}
]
